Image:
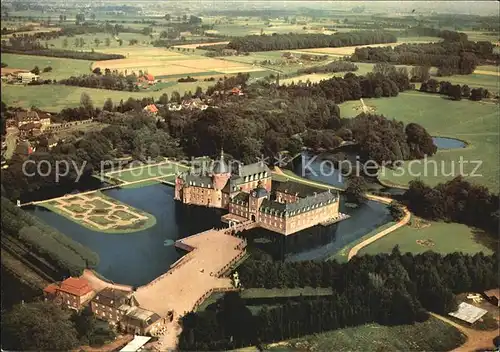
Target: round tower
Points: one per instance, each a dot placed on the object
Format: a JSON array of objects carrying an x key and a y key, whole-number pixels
[{"x": 220, "y": 172}]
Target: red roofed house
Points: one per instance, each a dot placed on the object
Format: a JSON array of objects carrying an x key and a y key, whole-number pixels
[
  {"x": 147, "y": 78},
  {"x": 72, "y": 292},
  {"x": 236, "y": 91},
  {"x": 151, "y": 108}
]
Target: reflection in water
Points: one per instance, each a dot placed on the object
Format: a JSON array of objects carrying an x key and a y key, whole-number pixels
[
  {"x": 319, "y": 242},
  {"x": 139, "y": 257}
]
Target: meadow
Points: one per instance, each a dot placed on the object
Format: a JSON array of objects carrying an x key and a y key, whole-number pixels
[
  {"x": 474, "y": 122},
  {"x": 439, "y": 237},
  {"x": 55, "y": 97},
  {"x": 61, "y": 68}
]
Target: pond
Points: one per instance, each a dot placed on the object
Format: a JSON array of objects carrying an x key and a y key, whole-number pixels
[
  {"x": 139, "y": 257},
  {"x": 448, "y": 143}
]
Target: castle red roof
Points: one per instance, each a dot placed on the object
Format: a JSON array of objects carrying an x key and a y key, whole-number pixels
[{"x": 75, "y": 286}]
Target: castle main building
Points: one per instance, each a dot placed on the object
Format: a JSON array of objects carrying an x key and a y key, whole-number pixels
[{"x": 250, "y": 195}]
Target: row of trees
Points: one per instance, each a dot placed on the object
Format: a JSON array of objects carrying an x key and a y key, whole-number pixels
[
  {"x": 68, "y": 256},
  {"x": 113, "y": 81},
  {"x": 389, "y": 289},
  {"x": 290, "y": 41},
  {"x": 450, "y": 57},
  {"x": 455, "y": 92},
  {"x": 334, "y": 66},
  {"x": 420, "y": 31},
  {"x": 457, "y": 201}
]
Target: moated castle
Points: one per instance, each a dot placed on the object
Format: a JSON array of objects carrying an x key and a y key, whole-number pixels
[{"x": 249, "y": 194}]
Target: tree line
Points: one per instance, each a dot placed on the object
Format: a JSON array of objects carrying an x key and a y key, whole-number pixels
[
  {"x": 108, "y": 80},
  {"x": 421, "y": 31},
  {"x": 290, "y": 41},
  {"x": 457, "y": 200},
  {"x": 334, "y": 66},
  {"x": 449, "y": 57},
  {"x": 389, "y": 289},
  {"x": 454, "y": 91},
  {"x": 30, "y": 45}
]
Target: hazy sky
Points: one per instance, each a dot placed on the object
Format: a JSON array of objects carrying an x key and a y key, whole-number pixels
[{"x": 489, "y": 7}]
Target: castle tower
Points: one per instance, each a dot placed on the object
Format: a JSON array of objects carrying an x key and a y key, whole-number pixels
[
  {"x": 220, "y": 172},
  {"x": 257, "y": 195}
]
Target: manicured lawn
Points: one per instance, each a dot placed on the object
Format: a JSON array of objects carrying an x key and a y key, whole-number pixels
[
  {"x": 75, "y": 208},
  {"x": 149, "y": 171},
  {"x": 101, "y": 220},
  {"x": 431, "y": 335},
  {"x": 99, "y": 204},
  {"x": 61, "y": 68},
  {"x": 475, "y": 122},
  {"x": 445, "y": 237},
  {"x": 123, "y": 215}
]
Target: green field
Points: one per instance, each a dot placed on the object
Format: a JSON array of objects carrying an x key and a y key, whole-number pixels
[
  {"x": 61, "y": 68},
  {"x": 446, "y": 238},
  {"x": 475, "y": 122},
  {"x": 56, "y": 97},
  {"x": 431, "y": 335},
  {"x": 490, "y": 82},
  {"x": 166, "y": 171}
]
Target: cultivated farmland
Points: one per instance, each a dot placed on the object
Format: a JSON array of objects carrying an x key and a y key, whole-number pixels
[{"x": 163, "y": 63}]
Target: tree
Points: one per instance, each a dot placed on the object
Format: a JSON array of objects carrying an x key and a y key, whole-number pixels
[
  {"x": 36, "y": 70},
  {"x": 163, "y": 99},
  {"x": 455, "y": 92},
  {"x": 39, "y": 326},
  {"x": 47, "y": 69},
  {"x": 355, "y": 190},
  {"x": 80, "y": 18},
  {"x": 86, "y": 102},
  {"x": 108, "y": 105},
  {"x": 168, "y": 17},
  {"x": 97, "y": 71},
  {"x": 465, "y": 91},
  {"x": 133, "y": 41},
  {"x": 199, "y": 92},
  {"x": 396, "y": 210},
  {"x": 175, "y": 97},
  {"x": 65, "y": 43}
]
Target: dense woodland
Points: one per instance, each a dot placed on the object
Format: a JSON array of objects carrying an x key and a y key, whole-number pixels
[
  {"x": 31, "y": 240},
  {"x": 290, "y": 41},
  {"x": 387, "y": 289},
  {"x": 450, "y": 57},
  {"x": 46, "y": 326},
  {"x": 456, "y": 201}
]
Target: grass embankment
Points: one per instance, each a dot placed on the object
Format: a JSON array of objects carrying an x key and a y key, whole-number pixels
[
  {"x": 474, "y": 122},
  {"x": 431, "y": 335},
  {"x": 438, "y": 236}
]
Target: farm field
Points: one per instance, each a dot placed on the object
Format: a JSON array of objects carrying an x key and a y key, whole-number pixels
[
  {"x": 163, "y": 63},
  {"x": 438, "y": 237},
  {"x": 61, "y": 68},
  {"x": 431, "y": 335},
  {"x": 474, "y": 122},
  {"x": 100, "y": 213}
]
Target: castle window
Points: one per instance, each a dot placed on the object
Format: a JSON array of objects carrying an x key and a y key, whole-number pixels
[{"x": 265, "y": 173}]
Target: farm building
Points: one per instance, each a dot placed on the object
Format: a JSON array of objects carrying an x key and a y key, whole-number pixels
[
  {"x": 146, "y": 78},
  {"x": 27, "y": 77},
  {"x": 468, "y": 313},
  {"x": 73, "y": 293},
  {"x": 10, "y": 74},
  {"x": 493, "y": 296}
]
